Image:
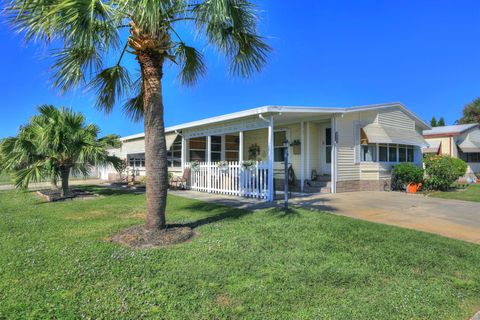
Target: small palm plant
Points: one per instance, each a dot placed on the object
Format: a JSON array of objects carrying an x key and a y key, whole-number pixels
[
  {"x": 54, "y": 144},
  {"x": 86, "y": 35}
]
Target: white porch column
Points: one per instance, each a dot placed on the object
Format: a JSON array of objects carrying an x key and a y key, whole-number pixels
[
  {"x": 208, "y": 157},
  {"x": 209, "y": 161},
  {"x": 271, "y": 196},
  {"x": 309, "y": 169},
  {"x": 334, "y": 155},
  {"x": 184, "y": 152},
  {"x": 302, "y": 155},
  {"x": 240, "y": 146}
]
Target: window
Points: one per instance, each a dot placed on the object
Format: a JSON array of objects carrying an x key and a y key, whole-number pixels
[
  {"x": 278, "y": 149},
  {"x": 174, "y": 154},
  {"x": 402, "y": 153},
  {"x": 392, "y": 153},
  {"x": 232, "y": 146},
  {"x": 216, "y": 148},
  {"x": 470, "y": 157},
  {"x": 383, "y": 153},
  {"x": 136, "y": 160},
  {"x": 410, "y": 154},
  {"x": 198, "y": 149},
  {"x": 369, "y": 153}
]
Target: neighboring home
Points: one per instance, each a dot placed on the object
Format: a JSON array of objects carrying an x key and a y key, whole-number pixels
[
  {"x": 459, "y": 141},
  {"x": 330, "y": 149}
]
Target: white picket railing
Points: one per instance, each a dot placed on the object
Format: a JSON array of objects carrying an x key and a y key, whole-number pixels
[{"x": 233, "y": 179}]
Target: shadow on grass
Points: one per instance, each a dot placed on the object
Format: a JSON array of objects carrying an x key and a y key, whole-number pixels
[{"x": 222, "y": 213}]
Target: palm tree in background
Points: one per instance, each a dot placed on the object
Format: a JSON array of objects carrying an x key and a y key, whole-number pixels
[
  {"x": 88, "y": 33},
  {"x": 54, "y": 144},
  {"x": 471, "y": 113}
]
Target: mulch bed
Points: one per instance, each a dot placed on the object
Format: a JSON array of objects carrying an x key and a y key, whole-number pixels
[
  {"x": 54, "y": 195},
  {"x": 139, "y": 237}
]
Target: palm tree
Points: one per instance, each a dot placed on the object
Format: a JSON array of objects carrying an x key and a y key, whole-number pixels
[
  {"x": 52, "y": 145},
  {"x": 89, "y": 33},
  {"x": 471, "y": 113}
]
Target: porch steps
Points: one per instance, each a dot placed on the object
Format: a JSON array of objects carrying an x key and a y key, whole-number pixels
[{"x": 322, "y": 185}]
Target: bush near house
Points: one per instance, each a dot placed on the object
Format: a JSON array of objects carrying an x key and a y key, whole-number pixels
[
  {"x": 442, "y": 171},
  {"x": 405, "y": 173}
]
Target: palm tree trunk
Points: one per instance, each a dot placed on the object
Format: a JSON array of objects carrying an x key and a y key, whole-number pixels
[
  {"x": 156, "y": 167},
  {"x": 64, "y": 174}
]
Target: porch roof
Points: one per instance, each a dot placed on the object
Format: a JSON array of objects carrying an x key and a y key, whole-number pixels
[{"x": 284, "y": 114}]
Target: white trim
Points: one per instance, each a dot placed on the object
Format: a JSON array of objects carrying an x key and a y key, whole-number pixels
[
  {"x": 271, "y": 196},
  {"x": 334, "y": 162},
  {"x": 240, "y": 146},
  {"x": 309, "y": 170},
  {"x": 209, "y": 149},
  {"x": 302, "y": 156},
  {"x": 184, "y": 152}
]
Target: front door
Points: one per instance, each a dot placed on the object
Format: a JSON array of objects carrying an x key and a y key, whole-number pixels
[{"x": 326, "y": 149}]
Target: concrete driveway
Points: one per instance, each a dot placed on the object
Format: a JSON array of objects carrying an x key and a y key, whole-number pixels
[{"x": 449, "y": 218}]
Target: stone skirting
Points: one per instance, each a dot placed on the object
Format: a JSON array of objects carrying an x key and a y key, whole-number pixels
[{"x": 363, "y": 185}]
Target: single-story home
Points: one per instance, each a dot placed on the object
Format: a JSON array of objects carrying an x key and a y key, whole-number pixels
[
  {"x": 330, "y": 149},
  {"x": 459, "y": 141}
]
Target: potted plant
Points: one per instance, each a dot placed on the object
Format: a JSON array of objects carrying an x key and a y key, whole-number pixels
[
  {"x": 296, "y": 146},
  {"x": 194, "y": 165},
  {"x": 249, "y": 164},
  {"x": 222, "y": 165}
]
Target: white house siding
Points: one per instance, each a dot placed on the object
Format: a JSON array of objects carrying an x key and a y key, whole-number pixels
[
  {"x": 369, "y": 170},
  {"x": 353, "y": 175},
  {"x": 395, "y": 118},
  {"x": 347, "y": 169},
  {"x": 258, "y": 137}
]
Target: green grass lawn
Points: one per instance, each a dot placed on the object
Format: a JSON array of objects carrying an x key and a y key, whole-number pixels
[
  {"x": 55, "y": 262},
  {"x": 471, "y": 193}
]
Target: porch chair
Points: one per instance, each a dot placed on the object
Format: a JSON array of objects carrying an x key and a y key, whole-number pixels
[{"x": 181, "y": 182}]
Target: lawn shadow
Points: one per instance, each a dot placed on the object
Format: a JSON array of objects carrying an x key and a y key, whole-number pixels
[{"x": 223, "y": 212}]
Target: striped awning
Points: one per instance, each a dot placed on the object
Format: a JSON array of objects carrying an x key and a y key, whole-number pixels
[
  {"x": 433, "y": 148},
  {"x": 469, "y": 146},
  {"x": 386, "y": 134},
  {"x": 170, "y": 139},
  {"x": 471, "y": 142}
]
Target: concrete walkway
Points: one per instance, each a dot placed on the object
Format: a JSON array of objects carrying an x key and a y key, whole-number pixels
[{"x": 450, "y": 218}]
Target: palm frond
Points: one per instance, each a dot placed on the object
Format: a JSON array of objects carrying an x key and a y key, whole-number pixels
[
  {"x": 72, "y": 64},
  {"x": 110, "y": 85},
  {"x": 230, "y": 25},
  {"x": 33, "y": 173},
  {"x": 191, "y": 63},
  {"x": 133, "y": 107},
  {"x": 111, "y": 141}
]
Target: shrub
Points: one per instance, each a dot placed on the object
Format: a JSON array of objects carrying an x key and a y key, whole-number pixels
[
  {"x": 442, "y": 171},
  {"x": 406, "y": 173}
]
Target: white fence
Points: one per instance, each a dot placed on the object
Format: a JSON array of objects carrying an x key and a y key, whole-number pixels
[{"x": 231, "y": 179}]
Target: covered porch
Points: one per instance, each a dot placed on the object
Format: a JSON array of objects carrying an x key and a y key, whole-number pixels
[{"x": 246, "y": 157}]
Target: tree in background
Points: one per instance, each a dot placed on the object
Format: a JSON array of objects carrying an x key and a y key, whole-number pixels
[
  {"x": 87, "y": 34},
  {"x": 434, "y": 123},
  {"x": 54, "y": 144},
  {"x": 471, "y": 113}
]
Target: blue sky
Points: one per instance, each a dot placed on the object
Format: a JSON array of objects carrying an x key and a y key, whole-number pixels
[{"x": 425, "y": 54}]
